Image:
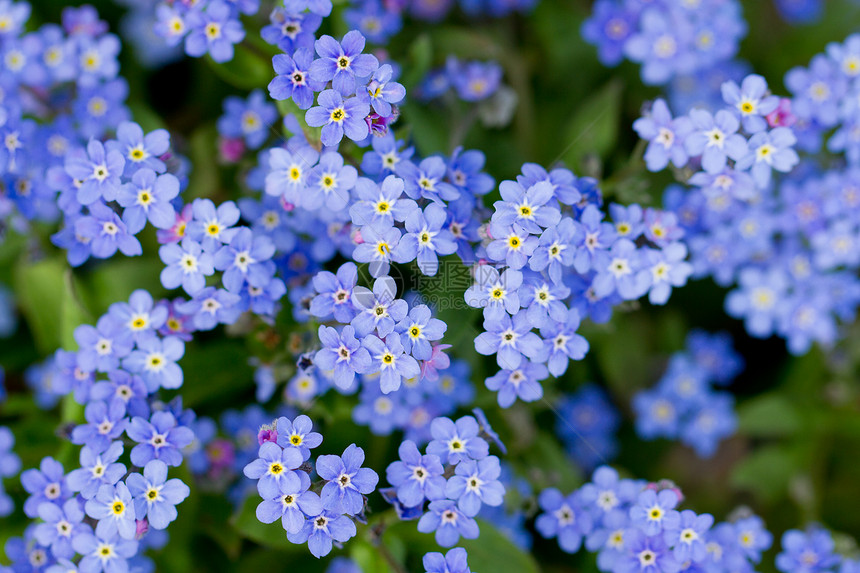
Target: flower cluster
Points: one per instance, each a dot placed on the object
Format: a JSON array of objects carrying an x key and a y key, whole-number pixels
[
  {"x": 548, "y": 260},
  {"x": 635, "y": 526},
  {"x": 812, "y": 550},
  {"x": 282, "y": 470},
  {"x": 669, "y": 39},
  {"x": 456, "y": 475},
  {"x": 684, "y": 405},
  {"x": 785, "y": 243}
]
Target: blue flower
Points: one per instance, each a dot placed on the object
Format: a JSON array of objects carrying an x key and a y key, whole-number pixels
[
  {"x": 187, "y": 266},
  {"x": 666, "y": 136},
  {"x": 685, "y": 533},
  {"x": 769, "y": 151},
  {"x": 563, "y": 518},
  {"x": 640, "y": 548},
  {"x": 347, "y": 481},
  {"x": 245, "y": 260},
  {"x": 106, "y": 233},
  {"x": 329, "y": 183},
  {"x": 752, "y": 537},
  {"x": 608, "y": 28},
  {"x": 390, "y": 361},
  {"x": 817, "y": 91},
  {"x": 297, "y": 434},
  {"x": 416, "y": 477},
  {"x": 750, "y": 101},
  {"x": 523, "y": 383},
  {"x": 97, "y": 469},
  {"x": 562, "y": 344},
  {"x": 383, "y": 91},
  {"x": 335, "y": 296},
  {"x": 342, "y": 63},
  {"x": 61, "y": 525},
  {"x": 291, "y": 28},
  {"x": 214, "y": 30},
  {"x": 211, "y": 307},
  {"x": 456, "y": 442},
  {"x": 418, "y": 329},
  {"x": 292, "y": 79},
  {"x": 212, "y": 226},
  {"x": 473, "y": 80},
  {"x": 495, "y": 293},
  {"x": 448, "y": 522},
  {"x": 113, "y": 507},
  {"x": 452, "y": 562},
  {"x": 249, "y": 119},
  {"x": 510, "y": 339},
  {"x": 668, "y": 269},
  {"x": 384, "y": 157},
  {"x": 662, "y": 46},
  {"x": 293, "y": 504},
  {"x": 287, "y": 178},
  {"x": 376, "y": 248},
  {"x": 543, "y": 301},
  {"x": 337, "y": 117},
  {"x": 139, "y": 315},
  {"x": 425, "y": 239},
  {"x": 758, "y": 299},
  {"x": 101, "y": 553},
  {"x": 529, "y": 208},
  {"x": 104, "y": 424},
  {"x": 715, "y": 138},
  {"x": 806, "y": 552},
  {"x": 652, "y": 509},
  {"x": 45, "y": 485},
  {"x": 379, "y": 310},
  {"x": 555, "y": 249},
  {"x": 101, "y": 347},
  {"x": 161, "y": 438},
  {"x": 343, "y": 354},
  {"x": 98, "y": 169},
  {"x": 155, "y": 497},
  {"x": 155, "y": 360},
  {"x": 274, "y": 466},
  {"x": 319, "y": 531},
  {"x": 620, "y": 270},
  {"x": 380, "y": 205},
  {"x": 475, "y": 483},
  {"x": 426, "y": 180},
  {"x": 511, "y": 244},
  {"x": 139, "y": 150},
  {"x": 382, "y": 413}
]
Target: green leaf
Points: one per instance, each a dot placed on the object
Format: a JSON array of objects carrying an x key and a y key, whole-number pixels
[
  {"x": 204, "y": 181},
  {"x": 768, "y": 471},
  {"x": 46, "y": 292},
  {"x": 368, "y": 557},
  {"x": 420, "y": 59},
  {"x": 432, "y": 125},
  {"x": 546, "y": 463},
  {"x": 492, "y": 551},
  {"x": 270, "y": 535},
  {"x": 250, "y": 68},
  {"x": 770, "y": 415},
  {"x": 593, "y": 129},
  {"x": 217, "y": 370}
]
